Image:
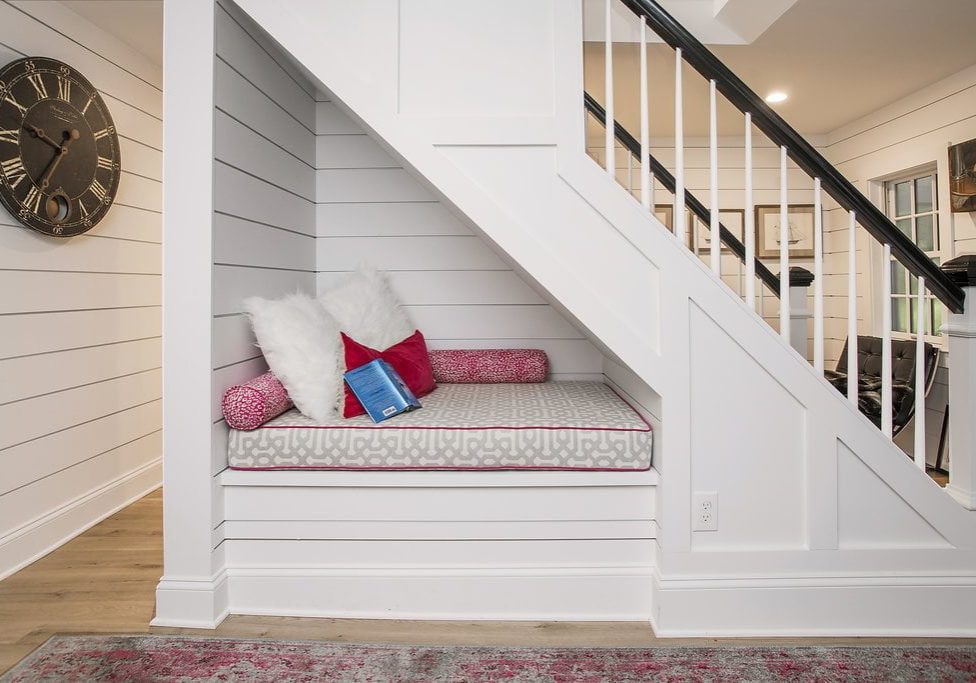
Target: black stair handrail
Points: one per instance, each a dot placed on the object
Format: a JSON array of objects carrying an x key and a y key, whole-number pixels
[
  {"x": 800, "y": 151},
  {"x": 691, "y": 201}
]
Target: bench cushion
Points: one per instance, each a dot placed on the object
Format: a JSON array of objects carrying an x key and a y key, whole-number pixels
[{"x": 547, "y": 426}]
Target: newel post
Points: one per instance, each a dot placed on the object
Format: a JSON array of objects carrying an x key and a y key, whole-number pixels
[
  {"x": 961, "y": 329},
  {"x": 800, "y": 281}
]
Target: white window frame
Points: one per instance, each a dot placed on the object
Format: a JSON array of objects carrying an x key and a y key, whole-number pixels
[{"x": 940, "y": 234}]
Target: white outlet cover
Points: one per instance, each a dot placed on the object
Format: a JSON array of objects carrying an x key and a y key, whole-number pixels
[{"x": 704, "y": 511}]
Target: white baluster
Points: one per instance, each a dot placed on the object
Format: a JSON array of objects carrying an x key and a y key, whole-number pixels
[
  {"x": 818, "y": 294},
  {"x": 679, "y": 150},
  {"x": 713, "y": 179},
  {"x": 610, "y": 139},
  {"x": 920, "y": 378},
  {"x": 886, "y": 417},
  {"x": 645, "y": 168},
  {"x": 852, "y": 374},
  {"x": 750, "y": 222},
  {"x": 784, "y": 249}
]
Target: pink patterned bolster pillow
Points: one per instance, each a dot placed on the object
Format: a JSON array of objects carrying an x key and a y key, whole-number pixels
[
  {"x": 489, "y": 366},
  {"x": 248, "y": 406}
]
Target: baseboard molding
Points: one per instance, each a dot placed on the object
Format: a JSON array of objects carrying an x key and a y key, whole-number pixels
[
  {"x": 33, "y": 541},
  {"x": 840, "y": 606},
  {"x": 498, "y": 593},
  {"x": 192, "y": 603}
]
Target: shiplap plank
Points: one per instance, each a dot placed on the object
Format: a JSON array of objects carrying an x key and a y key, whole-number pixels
[
  {"x": 39, "y": 458},
  {"x": 124, "y": 222},
  {"x": 243, "y": 242},
  {"x": 369, "y": 185},
  {"x": 330, "y": 120},
  {"x": 242, "y": 148},
  {"x": 253, "y": 108},
  {"x": 134, "y": 123},
  {"x": 44, "y": 415},
  {"x": 31, "y": 37},
  {"x": 381, "y": 219},
  {"x": 233, "y": 340},
  {"x": 35, "y": 375},
  {"x": 32, "y": 291},
  {"x": 407, "y": 253},
  {"x": 233, "y": 284},
  {"x": 141, "y": 159},
  {"x": 491, "y": 322},
  {"x": 242, "y": 52},
  {"x": 470, "y": 287},
  {"x": 239, "y": 194},
  {"x": 23, "y": 505},
  {"x": 143, "y": 193},
  {"x": 351, "y": 151},
  {"x": 27, "y": 250},
  {"x": 45, "y": 332},
  {"x": 226, "y": 377},
  {"x": 81, "y": 30}
]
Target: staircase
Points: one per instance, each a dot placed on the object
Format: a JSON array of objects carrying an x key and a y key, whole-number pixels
[{"x": 824, "y": 526}]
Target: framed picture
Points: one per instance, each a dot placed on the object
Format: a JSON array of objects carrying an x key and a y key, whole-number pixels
[
  {"x": 665, "y": 214},
  {"x": 962, "y": 176},
  {"x": 734, "y": 221},
  {"x": 800, "y": 231}
]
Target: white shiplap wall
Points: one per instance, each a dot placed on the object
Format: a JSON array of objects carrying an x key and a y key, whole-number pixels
[
  {"x": 264, "y": 194},
  {"x": 911, "y": 133},
  {"x": 456, "y": 288},
  {"x": 80, "y": 423}
]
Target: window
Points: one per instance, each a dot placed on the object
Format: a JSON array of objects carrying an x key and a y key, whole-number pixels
[{"x": 912, "y": 204}]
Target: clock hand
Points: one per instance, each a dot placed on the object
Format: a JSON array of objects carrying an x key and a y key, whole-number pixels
[
  {"x": 39, "y": 133},
  {"x": 69, "y": 137}
]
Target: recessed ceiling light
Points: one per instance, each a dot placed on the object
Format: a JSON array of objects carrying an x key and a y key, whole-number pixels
[{"x": 776, "y": 97}]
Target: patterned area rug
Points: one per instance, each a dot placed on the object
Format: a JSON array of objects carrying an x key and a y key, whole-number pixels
[{"x": 177, "y": 658}]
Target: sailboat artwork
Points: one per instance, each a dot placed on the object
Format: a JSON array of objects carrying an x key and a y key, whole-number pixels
[
  {"x": 800, "y": 231},
  {"x": 962, "y": 176}
]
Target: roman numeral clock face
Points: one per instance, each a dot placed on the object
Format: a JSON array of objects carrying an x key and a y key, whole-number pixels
[{"x": 59, "y": 153}]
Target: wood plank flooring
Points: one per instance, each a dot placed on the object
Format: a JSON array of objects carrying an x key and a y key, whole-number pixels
[{"x": 104, "y": 581}]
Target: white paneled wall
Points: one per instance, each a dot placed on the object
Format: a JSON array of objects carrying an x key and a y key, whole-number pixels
[
  {"x": 264, "y": 193},
  {"x": 457, "y": 290},
  {"x": 80, "y": 318},
  {"x": 912, "y": 133}
]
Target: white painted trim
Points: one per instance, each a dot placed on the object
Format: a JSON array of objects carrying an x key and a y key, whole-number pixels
[
  {"x": 43, "y": 535},
  {"x": 486, "y": 593},
  {"x": 192, "y": 603}
]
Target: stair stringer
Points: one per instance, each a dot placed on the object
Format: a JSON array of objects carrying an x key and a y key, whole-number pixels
[{"x": 522, "y": 177}]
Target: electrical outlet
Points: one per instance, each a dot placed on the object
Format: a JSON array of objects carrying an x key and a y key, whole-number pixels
[{"x": 704, "y": 511}]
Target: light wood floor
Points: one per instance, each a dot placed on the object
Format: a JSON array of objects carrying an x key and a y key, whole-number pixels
[{"x": 104, "y": 582}]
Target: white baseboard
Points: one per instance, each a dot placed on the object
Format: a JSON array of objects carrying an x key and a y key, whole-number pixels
[
  {"x": 844, "y": 607},
  {"x": 33, "y": 541},
  {"x": 508, "y": 594},
  {"x": 192, "y": 603}
]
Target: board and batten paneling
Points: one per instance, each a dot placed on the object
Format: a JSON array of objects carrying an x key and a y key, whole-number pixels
[
  {"x": 912, "y": 133},
  {"x": 80, "y": 330},
  {"x": 264, "y": 195},
  {"x": 456, "y": 289}
]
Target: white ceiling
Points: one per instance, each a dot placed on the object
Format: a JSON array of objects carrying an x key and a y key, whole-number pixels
[
  {"x": 138, "y": 23},
  {"x": 838, "y": 60}
]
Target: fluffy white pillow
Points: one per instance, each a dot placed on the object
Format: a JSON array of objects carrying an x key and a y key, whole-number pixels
[
  {"x": 300, "y": 341},
  {"x": 367, "y": 310}
]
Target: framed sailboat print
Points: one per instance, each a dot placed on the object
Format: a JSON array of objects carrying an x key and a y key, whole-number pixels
[{"x": 800, "y": 231}]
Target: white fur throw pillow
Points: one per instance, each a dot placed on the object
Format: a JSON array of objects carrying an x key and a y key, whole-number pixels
[
  {"x": 366, "y": 309},
  {"x": 300, "y": 341}
]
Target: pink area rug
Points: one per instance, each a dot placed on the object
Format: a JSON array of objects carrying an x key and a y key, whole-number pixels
[{"x": 177, "y": 658}]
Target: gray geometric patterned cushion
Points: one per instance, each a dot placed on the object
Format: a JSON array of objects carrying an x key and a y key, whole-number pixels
[{"x": 548, "y": 426}]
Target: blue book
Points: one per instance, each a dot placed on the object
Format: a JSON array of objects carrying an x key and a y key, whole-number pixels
[{"x": 381, "y": 390}]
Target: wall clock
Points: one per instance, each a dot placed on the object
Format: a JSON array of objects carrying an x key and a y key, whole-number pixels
[{"x": 59, "y": 152}]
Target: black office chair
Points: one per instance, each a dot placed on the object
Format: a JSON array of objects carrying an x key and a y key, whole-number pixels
[{"x": 869, "y": 378}]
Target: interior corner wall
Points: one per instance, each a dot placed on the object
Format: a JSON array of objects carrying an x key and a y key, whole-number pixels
[
  {"x": 264, "y": 194},
  {"x": 80, "y": 318},
  {"x": 913, "y": 132},
  {"x": 457, "y": 289}
]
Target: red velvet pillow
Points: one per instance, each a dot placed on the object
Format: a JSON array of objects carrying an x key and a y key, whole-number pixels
[{"x": 408, "y": 357}]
